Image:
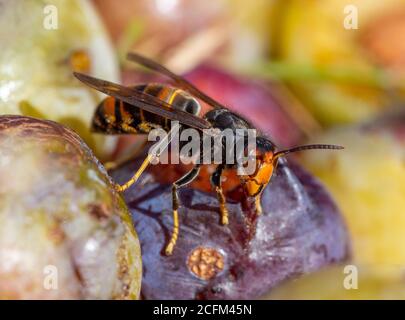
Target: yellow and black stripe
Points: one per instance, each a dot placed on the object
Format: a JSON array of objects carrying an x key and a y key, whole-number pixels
[{"x": 114, "y": 116}]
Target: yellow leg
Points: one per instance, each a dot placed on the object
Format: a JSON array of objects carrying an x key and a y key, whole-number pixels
[
  {"x": 222, "y": 206},
  {"x": 183, "y": 181},
  {"x": 258, "y": 204},
  {"x": 135, "y": 177},
  {"x": 175, "y": 234}
]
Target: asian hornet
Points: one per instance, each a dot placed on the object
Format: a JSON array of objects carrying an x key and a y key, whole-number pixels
[{"x": 140, "y": 108}]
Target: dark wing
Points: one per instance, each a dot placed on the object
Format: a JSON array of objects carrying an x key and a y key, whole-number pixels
[
  {"x": 150, "y": 64},
  {"x": 144, "y": 101}
]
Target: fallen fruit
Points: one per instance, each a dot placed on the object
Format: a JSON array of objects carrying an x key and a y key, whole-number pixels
[
  {"x": 64, "y": 232},
  {"x": 299, "y": 231}
]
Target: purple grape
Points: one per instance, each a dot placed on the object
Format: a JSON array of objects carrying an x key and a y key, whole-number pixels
[{"x": 300, "y": 231}]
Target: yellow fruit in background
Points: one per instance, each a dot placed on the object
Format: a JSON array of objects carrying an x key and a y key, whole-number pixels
[
  {"x": 367, "y": 180},
  {"x": 42, "y": 42},
  {"x": 337, "y": 74},
  {"x": 344, "y": 282}
]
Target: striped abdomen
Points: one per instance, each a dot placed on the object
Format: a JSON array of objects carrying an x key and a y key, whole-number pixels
[{"x": 114, "y": 116}]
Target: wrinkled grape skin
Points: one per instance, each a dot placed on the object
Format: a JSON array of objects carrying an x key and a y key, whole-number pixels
[{"x": 299, "y": 231}]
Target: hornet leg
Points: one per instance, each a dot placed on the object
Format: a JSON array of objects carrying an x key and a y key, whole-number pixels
[
  {"x": 216, "y": 182},
  {"x": 159, "y": 148},
  {"x": 136, "y": 176},
  {"x": 258, "y": 204},
  {"x": 183, "y": 181}
]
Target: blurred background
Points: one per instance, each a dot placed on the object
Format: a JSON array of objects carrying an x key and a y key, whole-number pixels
[{"x": 319, "y": 71}]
